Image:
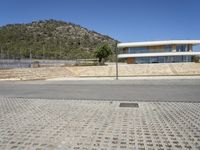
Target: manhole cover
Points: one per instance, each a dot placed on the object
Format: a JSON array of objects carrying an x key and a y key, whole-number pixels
[{"x": 134, "y": 105}]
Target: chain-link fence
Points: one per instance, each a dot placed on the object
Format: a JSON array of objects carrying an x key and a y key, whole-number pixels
[{"x": 27, "y": 63}]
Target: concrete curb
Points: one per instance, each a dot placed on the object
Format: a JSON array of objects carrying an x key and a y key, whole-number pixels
[{"x": 127, "y": 78}]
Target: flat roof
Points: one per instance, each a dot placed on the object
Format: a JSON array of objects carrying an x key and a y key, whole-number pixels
[
  {"x": 158, "y": 54},
  {"x": 157, "y": 43}
]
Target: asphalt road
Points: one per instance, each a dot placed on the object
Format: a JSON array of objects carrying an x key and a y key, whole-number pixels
[{"x": 185, "y": 90}]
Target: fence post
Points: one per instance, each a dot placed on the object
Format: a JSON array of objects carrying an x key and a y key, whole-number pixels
[
  {"x": 30, "y": 57},
  {"x": 1, "y": 52}
]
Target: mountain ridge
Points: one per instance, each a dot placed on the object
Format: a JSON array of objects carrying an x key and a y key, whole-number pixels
[{"x": 50, "y": 39}]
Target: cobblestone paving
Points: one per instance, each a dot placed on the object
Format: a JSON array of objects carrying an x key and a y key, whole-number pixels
[{"x": 68, "y": 124}]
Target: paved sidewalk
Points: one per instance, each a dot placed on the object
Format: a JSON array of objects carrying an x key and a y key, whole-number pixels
[
  {"x": 36, "y": 124},
  {"x": 170, "y": 77}
]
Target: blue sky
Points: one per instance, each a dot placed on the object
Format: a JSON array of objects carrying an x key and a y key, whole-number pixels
[{"x": 124, "y": 20}]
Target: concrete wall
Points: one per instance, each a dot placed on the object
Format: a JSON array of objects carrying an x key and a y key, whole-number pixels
[{"x": 100, "y": 71}]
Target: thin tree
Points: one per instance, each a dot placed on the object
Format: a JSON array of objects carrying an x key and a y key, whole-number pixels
[{"x": 102, "y": 53}]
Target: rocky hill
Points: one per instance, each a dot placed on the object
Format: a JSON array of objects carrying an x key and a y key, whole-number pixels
[{"x": 50, "y": 39}]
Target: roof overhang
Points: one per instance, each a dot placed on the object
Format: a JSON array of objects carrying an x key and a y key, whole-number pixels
[
  {"x": 159, "y": 54},
  {"x": 157, "y": 43}
]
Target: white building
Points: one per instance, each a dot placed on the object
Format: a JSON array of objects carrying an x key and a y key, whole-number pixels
[{"x": 158, "y": 51}]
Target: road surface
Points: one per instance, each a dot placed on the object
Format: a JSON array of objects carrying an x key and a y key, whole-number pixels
[
  {"x": 59, "y": 115},
  {"x": 128, "y": 90}
]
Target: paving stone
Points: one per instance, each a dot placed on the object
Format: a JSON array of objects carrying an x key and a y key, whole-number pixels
[{"x": 38, "y": 124}]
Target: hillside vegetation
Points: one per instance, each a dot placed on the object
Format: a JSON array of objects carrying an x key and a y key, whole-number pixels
[{"x": 50, "y": 39}]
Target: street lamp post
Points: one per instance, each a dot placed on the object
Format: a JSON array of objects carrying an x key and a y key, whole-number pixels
[{"x": 116, "y": 54}]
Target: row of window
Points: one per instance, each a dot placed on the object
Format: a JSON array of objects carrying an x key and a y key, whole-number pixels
[
  {"x": 182, "y": 48},
  {"x": 167, "y": 48},
  {"x": 163, "y": 59}
]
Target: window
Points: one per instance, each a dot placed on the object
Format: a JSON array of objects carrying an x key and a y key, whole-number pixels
[
  {"x": 134, "y": 50},
  {"x": 168, "y": 48},
  {"x": 153, "y": 59},
  {"x": 181, "y": 48},
  {"x": 142, "y": 60},
  {"x": 161, "y": 59}
]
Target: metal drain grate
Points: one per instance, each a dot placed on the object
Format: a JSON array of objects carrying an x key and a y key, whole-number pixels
[{"x": 134, "y": 105}]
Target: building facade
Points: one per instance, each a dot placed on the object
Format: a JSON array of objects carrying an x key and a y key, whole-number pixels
[{"x": 158, "y": 51}]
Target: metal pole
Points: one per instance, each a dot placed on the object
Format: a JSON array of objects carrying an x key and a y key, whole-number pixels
[
  {"x": 30, "y": 56},
  {"x": 116, "y": 51},
  {"x": 60, "y": 48},
  {"x": 8, "y": 54},
  {"x": 20, "y": 64},
  {"x": 1, "y": 53},
  {"x": 20, "y": 53},
  {"x": 43, "y": 51}
]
